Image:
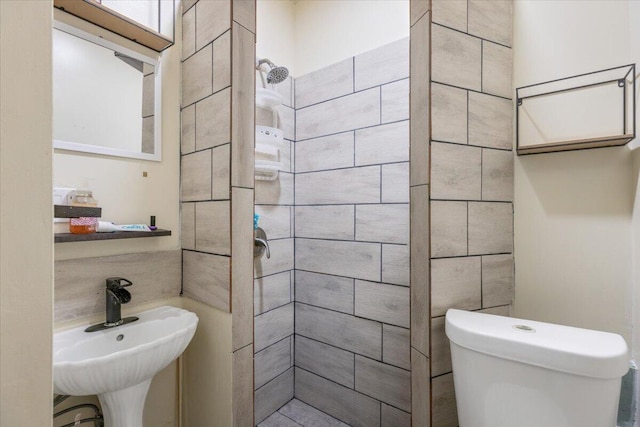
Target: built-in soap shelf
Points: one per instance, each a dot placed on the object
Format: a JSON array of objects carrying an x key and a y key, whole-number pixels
[{"x": 269, "y": 142}]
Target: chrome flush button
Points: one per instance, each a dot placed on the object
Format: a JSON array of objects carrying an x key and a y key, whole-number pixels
[{"x": 524, "y": 328}]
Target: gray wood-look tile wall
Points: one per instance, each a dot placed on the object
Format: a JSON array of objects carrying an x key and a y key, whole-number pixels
[
  {"x": 471, "y": 175},
  {"x": 79, "y": 283},
  {"x": 351, "y": 215},
  {"x": 419, "y": 279},
  {"x": 273, "y": 278},
  {"x": 217, "y": 191}
]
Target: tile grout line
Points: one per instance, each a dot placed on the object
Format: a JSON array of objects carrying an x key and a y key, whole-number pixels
[
  {"x": 369, "y": 165},
  {"x": 482, "y": 66},
  {"x": 355, "y": 92},
  {"x": 482, "y": 174},
  {"x": 292, "y": 284},
  {"x": 441, "y": 83},
  {"x": 469, "y": 34},
  {"x": 371, "y": 126},
  {"x": 481, "y": 284},
  {"x": 364, "y": 280}
]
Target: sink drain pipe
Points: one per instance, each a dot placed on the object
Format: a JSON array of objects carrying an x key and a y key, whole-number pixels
[{"x": 97, "y": 419}]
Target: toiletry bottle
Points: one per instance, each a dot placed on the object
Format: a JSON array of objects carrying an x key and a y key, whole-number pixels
[{"x": 84, "y": 225}]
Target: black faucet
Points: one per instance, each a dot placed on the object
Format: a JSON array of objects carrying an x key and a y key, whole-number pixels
[{"x": 116, "y": 295}]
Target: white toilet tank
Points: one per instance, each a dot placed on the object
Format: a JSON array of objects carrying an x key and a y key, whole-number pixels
[{"x": 511, "y": 372}]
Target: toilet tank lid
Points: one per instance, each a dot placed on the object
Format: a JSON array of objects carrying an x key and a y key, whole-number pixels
[{"x": 561, "y": 348}]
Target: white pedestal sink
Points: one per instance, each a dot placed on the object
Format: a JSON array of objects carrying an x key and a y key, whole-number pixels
[{"x": 118, "y": 364}]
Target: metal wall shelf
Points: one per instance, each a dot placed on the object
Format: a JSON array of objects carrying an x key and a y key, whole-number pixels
[{"x": 591, "y": 110}]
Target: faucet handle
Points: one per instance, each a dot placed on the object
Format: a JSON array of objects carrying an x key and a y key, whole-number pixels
[{"x": 114, "y": 283}]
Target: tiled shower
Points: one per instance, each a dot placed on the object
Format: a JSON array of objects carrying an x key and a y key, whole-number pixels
[
  {"x": 331, "y": 305},
  {"x": 332, "y": 302}
]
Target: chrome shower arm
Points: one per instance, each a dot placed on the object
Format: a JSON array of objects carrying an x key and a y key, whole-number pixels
[
  {"x": 265, "y": 61},
  {"x": 264, "y": 82}
]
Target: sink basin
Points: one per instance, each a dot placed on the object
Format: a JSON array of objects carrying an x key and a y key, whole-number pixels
[{"x": 118, "y": 364}]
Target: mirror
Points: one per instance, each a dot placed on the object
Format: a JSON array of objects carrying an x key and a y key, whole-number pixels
[{"x": 106, "y": 98}]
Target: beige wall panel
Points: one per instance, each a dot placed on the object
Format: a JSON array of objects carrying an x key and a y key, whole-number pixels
[
  {"x": 208, "y": 369},
  {"x": 26, "y": 281}
]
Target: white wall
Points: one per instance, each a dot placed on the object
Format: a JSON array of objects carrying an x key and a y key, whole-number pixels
[
  {"x": 146, "y": 12},
  {"x": 26, "y": 247},
  {"x": 275, "y": 32},
  {"x": 329, "y": 31},
  {"x": 305, "y": 36},
  {"x": 634, "y": 18},
  {"x": 208, "y": 369},
  {"x": 573, "y": 210},
  {"x": 118, "y": 184}
]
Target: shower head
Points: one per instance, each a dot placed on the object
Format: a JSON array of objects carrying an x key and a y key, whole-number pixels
[{"x": 276, "y": 74}]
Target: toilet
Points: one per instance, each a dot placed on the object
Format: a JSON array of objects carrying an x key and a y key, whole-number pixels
[{"x": 511, "y": 372}]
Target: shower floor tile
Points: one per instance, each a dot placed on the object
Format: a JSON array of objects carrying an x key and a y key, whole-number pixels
[{"x": 298, "y": 414}]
